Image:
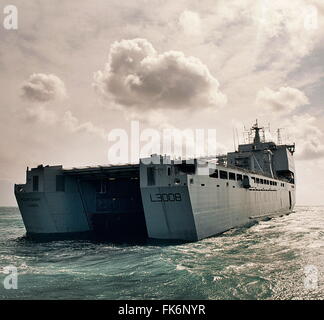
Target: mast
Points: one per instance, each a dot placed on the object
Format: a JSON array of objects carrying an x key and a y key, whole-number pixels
[
  {"x": 257, "y": 129},
  {"x": 279, "y": 140}
]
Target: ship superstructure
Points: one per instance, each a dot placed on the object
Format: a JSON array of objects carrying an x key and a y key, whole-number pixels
[{"x": 160, "y": 198}]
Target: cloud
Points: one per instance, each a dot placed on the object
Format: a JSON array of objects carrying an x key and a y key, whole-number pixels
[
  {"x": 290, "y": 27},
  {"x": 65, "y": 121},
  {"x": 42, "y": 87},
  {"x": 39, "y": 113},
  {"x": 190, "y": 23},
  {"x": 284, "y": 100},
  {"x": 311, "y": 149},
  {"x": 137, "y": 76},
  {"x": 73, "y": 124},
  {"x": 308, "y": 136}
]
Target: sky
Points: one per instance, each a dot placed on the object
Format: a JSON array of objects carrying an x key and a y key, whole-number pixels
[{"x": 75, "y": 70}]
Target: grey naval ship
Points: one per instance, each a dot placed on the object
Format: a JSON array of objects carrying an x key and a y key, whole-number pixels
[{"x": 160, "y": 198}]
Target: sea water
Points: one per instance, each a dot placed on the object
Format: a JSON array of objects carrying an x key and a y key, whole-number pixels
[{"x": 282, "y": 258}]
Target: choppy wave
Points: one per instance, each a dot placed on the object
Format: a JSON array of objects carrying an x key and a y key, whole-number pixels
[{"x": 265, "y": 261}]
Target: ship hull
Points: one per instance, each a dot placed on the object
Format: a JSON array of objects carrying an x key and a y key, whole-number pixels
[
  {"x": 182, "y": 202},
  {"x": 49, "y": 216},
  {"x": 53, "y": 215},
  {"x": 164, "y": 202},
  {"x": 103, "y": 205},
  {"x": 221, "y": 205},
  {"x": 208, "y": 208}
]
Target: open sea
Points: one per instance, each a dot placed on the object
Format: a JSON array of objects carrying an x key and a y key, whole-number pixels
[{"x": 282, "y": 258}]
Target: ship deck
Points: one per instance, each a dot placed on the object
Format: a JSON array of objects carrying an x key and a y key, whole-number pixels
[{"x": 110, "y": 171}]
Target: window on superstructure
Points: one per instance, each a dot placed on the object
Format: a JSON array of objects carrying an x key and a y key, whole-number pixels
[
  {"x": 60, "y": 183},
  {"x": 150, "y": 176},
  {"x": 261, "y": 181},
  {"x": 223, "y": 174},
  {"x": 257, "y": 180},
  {"x": 101, "y": 186},
  {"x": 184, "y": 167},
  {"x": 213, "y": 173},
  {"x": 231, "y": 176},
  {"x": 35, "y": 183},
  {"x": 239, "y": 177},
  {"x": 169, "y": 171}
]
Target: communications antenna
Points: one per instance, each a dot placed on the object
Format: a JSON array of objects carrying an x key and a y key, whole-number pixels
[{"x": 279, "y": 139}]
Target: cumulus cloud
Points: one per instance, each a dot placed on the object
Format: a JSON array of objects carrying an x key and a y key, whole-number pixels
[
  {"x": 302, "y": 128},
  {"x": 190, "y": 23},
  {"x": 284, "y": 100},
  {"x": 137, "y": 76},
  {"x": 73, "y": 125},
  {"x": 289, "y": 26},
  {"x": 41, "y": 87},
  {"x": 40, "y": 114},
  {"x": 308, "y": 136},
  {"x": 65, "y": 121}
]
